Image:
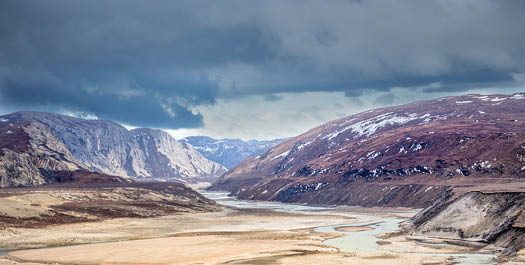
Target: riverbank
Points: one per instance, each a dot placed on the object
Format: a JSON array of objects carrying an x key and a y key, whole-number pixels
[
  {"x": 228, "y": 237},
  {"x": 121, "y": 229},
  {"x": 251, "y": 233},
  {"x": 214, "y": 237}
]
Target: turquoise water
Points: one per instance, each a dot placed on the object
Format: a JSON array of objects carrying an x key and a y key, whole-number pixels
[
  {"x": 434, "y": 244},
  {"x": 363, "y": 241},
  {"x": 223, "y": 198}
]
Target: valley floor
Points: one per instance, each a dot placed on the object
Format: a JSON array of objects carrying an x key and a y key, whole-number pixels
[{"x": 229, "y": 236}]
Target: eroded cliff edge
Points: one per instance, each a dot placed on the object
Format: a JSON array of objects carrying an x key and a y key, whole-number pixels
[{"x": 488, "y": 221}]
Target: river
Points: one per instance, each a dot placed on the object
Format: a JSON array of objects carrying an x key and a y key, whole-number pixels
[
  {"x": 354, "y": 242},
  {"x": 363, "y": 242}
]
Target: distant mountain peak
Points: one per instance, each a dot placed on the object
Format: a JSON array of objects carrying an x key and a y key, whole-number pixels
[{"x": 228, "y": 152}]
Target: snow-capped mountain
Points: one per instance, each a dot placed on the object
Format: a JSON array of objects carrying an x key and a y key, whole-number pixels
[
  {"x": 229, "y": 152},
  {"x": 399, "y": 156},
  {"x": 56, "y": 142}
]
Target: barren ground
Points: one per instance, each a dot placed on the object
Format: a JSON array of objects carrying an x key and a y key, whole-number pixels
[{"x": 223, "y": 237}]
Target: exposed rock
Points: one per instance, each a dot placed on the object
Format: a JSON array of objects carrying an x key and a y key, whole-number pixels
[
  {"x": 166, "y": 158},
  {"x": 27, "y": 148},
  {"x": 229, "y": 152},
  {"x": 474, "y": 217},
  {"x": 404, "y": 155},
  {"x": 63, "y": 143}
]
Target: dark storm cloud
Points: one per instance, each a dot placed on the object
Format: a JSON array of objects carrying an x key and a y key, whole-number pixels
[
  {"x": 149, "y": 63},
  {"x": 121, "y": 60}
]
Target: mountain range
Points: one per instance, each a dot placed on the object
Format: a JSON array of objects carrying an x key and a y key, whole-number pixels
[
  {"x": 229, "y": 152},
  {"x": 34, "y": 146},
  {"x": 407, "y": 155}
]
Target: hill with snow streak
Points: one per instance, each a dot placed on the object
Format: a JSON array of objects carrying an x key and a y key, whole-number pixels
[{"x": 405, "y": 155}]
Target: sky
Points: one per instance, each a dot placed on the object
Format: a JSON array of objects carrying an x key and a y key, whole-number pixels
[{"x": 252, "y": 69}]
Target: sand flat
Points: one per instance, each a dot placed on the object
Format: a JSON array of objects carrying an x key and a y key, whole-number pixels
[
  {"x": 172, "y": 250},
  {"x": 215, "y": 249},
  {"x": 230, "y": 236},
  {"x": 353, "y": 228},
  {"x": 143, "y": 228},
  {"x": 227, "y": 237}
]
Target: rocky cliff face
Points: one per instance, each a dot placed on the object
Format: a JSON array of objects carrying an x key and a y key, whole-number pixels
[
  {"x": 105, "y": 147},
  {"x": 398, "y": 156},
  {"x": 27, "y": 150},
  {"x": 166, "y": 158},
  {"x": 229, "y": 152},
  {"x": 475, "y": 218}
]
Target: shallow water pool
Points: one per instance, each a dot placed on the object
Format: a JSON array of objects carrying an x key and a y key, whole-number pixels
[{"x": 355, "y": 242}]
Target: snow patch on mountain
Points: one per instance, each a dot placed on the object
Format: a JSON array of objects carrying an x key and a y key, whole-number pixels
[
  {"x": 496, "y": 99},
  {"x": 283, "y": 154},
  {"x": 370, "y": 126},
  {"x": 303, "y": 145}
]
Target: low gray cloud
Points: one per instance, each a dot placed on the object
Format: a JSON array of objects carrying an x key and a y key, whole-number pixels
[
  {"x": 272, "y": 97},
  {"x": 386, "y": 100},
  {"x": 151, "y": 63}
]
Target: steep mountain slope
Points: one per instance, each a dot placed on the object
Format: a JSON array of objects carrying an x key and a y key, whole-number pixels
[
  {"x": 229, "y": 152},
  {"x": 26, "y": 148},
  {"x": 166, "y": 158},
  {"x": 398, "y": 156},
  {"x": 474, "y": 218},
  {"x": 108, "y": 147}
]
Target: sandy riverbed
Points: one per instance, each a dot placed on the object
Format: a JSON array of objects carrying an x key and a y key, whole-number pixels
[
  {"x": 227, "y": 237},
  {"x": 353, "y": 228}
]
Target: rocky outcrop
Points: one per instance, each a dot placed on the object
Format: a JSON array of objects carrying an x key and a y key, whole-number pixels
[
  {"x": 27, "y": 151},
  {"x": 61, "y": 143},
  {"x": 475, "y": 218},
  {"x": 404, "y": 155},
  {"x": 165, "y": 158},
  {"x": 229, "y": 152}
]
